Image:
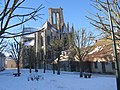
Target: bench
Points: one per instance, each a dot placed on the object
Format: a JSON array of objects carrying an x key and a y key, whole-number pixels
[
  {"x": 87, "y": 75},
  {"x": 16, "y": 74}
]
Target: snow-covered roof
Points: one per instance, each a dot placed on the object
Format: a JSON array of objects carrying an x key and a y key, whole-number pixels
[
  {"x": 29, "y": 36},
  {"x": 44, "y": 25},
  {"x": 30, "y": 29},
  {"x": 48, "y": 25},
  {"x": 29, "y": 43},
  {"x": 98, "y": 48}
]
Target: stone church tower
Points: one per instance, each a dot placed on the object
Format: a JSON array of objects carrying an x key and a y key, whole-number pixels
[{"x": 56, "y": 18}]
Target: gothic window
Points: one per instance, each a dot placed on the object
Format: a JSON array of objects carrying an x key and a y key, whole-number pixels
[
  {"x": 48, "y": 40},
  {"x": 54, "y": 18},
  {"x": 49, "y": 55},
  {"x": 42, "y": 53},
  {"x": 41, "y": 41},
  {"x": 65, "y": 41},
  {"x": 54, "y": 37}
]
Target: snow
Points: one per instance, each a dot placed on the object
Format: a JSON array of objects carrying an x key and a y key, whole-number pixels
[
  {"x": 60, "y": 60},
  {"x": 29, "y": 43},
  {"x": 49, "y": 81},
  {"x": 98, "y": 48},
  {"x": 30, "y": 35}
]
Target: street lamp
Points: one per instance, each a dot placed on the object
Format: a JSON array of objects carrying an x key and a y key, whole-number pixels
[{"x": 114, "y": 49}]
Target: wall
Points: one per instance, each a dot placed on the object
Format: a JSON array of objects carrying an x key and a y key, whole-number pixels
[
  {"x": 2, "y": 63},
  {"x": 108, "y": 67},
  {"x": 10, "y": 63}
]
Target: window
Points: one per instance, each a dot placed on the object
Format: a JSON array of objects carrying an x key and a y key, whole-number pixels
[
  {"x": 95, "y": 64},
  {"x": 48, "y": 40},
  {"x": 49, "y": 55},
  {"x": 54, "y": 37},
  {"x": 41, "y": 41},
  {"x": 42, "y": 54},
  {"x": 65, "y": 41},
  {"x": 113, "y": 65}
]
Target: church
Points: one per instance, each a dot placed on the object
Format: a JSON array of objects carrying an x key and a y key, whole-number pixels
[{"x": 41, "y": 48}]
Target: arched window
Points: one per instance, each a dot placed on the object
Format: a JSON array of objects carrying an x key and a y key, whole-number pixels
[
  {"x": 65, "y": 41},
  {"x": 42, "y": 53},
  {"x": 49, "y": 55},
  {"x": 41, "y": 41},
  {"x": 48, "y": 40}
]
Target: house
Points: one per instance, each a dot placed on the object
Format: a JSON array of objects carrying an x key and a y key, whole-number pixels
[
  {"x": 10, "y": 62},
  {"x": 2, "y": 61},
  {"x": 101, "y": 58}
]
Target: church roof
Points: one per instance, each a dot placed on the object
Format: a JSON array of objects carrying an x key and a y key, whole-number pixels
[{"x": 47, "y": 26}]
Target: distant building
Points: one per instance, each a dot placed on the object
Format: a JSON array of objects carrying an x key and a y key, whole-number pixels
[
  {"x": 10, "y": 63},
  {"x": 2, "y": 61}
]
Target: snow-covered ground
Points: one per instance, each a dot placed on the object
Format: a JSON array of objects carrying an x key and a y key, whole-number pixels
[{"x": 49, "y": 81}]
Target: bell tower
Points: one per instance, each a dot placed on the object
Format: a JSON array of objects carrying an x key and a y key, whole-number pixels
[{"x": 56, "y": 18}]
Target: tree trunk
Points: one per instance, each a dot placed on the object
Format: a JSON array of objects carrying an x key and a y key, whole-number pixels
[
  {"x": 53, "y": 68},
  {"x": 36, "y": 62},
  {"x": 18, "y": 67},
  {"x": 18, "y": 62},
  {"x": 29, "y": 57},
  {"x": 81, "y": 68},
  {"x": 44, "y": 65},
  {"x": 30, "y": 66},
  {"x": 58, "y": 65}
]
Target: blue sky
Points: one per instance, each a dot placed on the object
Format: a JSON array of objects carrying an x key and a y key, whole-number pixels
[{"x": 74, "y": 12}]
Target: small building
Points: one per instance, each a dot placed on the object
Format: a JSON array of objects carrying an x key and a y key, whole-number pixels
[
  {"x": 10, "y": 63},
  {"x": 2, "y": 61},
  {"x": 101, "y": 57},
  {"x": 67, "y": 61}
]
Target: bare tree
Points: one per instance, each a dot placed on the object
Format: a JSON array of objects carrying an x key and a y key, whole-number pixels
[
  {"x": 31, "y": 58},
  {"x": 83, "y": 46},
  {"x": 3, "y": 44},
  {"x": 8, "y": 14},
  {"x": 101, "y": 19},
  {"x": 14, "y": 50},
  {"x": 108, "y": 20}
]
